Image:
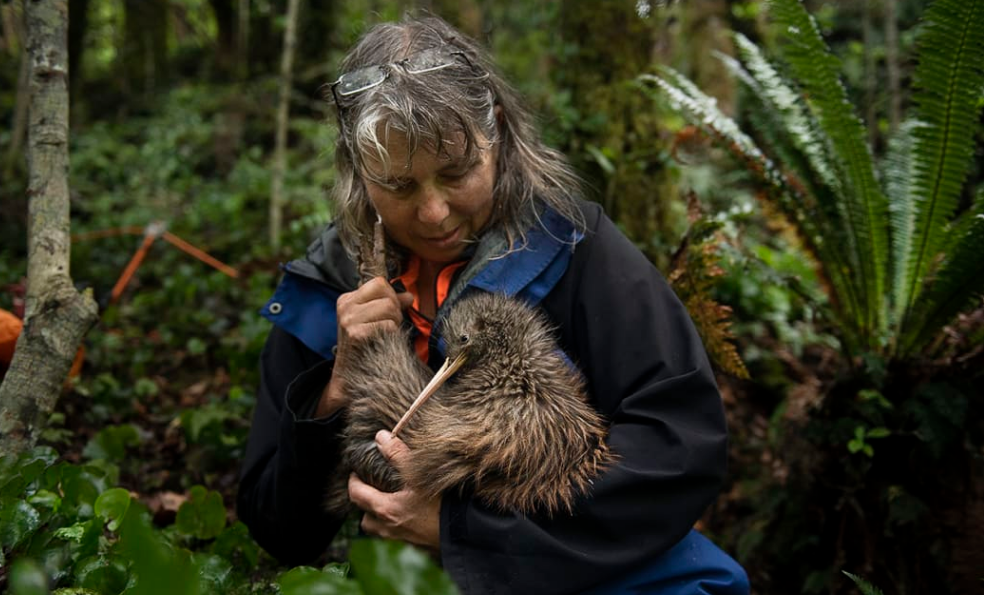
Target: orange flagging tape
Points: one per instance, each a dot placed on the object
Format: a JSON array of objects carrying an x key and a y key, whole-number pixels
[
  {"x": 131, "y": 267},
  {"x": 151, "y": 233},
  {"x": 200, "y": 254}
]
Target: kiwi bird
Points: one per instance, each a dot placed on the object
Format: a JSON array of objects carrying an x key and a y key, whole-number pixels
[{"x": 508, "y": 417}]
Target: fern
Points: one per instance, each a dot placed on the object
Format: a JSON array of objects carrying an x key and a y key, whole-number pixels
[
  {"x": 693, "y": 274},
  {"x": 897, "y": 173},
  {"x": 811, "y": 155},
  {"x": 866, "y": 587},
  {"x": 948, "y": 79},
  {"x": 795, "y": 138},
  {"x": 864, "y": 205},
  {"x": 960, "y": 278}
]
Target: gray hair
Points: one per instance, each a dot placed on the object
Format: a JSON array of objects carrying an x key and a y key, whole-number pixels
[{"x": 437, "y": 108}]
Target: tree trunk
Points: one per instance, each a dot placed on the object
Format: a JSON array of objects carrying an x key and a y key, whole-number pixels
[
  {"x": 242, "y": 40},
  {"x": 870, "y": 73},
  {"x": 283, "y": 110},
  {"x": 892, "y": 66},
  {"x": 56, "y": 315}
]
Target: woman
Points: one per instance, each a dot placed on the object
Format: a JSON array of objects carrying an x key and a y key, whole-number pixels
[{"x": 438, "y": 146}]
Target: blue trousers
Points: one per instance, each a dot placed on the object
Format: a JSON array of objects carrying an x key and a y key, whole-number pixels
[{"x": 694, "y": 566}]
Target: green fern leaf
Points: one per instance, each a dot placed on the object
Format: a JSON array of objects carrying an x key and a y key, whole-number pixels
[
  {"x": 948, "y": 80},
  {"x": 897, "y": 174},
  {"x": 789, "y": 195},
  {"x": 866, "y": 587},
  {"x": 866, "y": 207},
  {"x": 794, "y": 137},
  {"x": 956, "y": 285}
]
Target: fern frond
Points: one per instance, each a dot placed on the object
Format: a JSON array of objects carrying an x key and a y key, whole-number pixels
[
  {"x": 802, "y": 128},
  {"x": 786, "y": 192},
  {"x": 948, "y": 82},
  {"x": 792, "y": 135},
  {"x": 866, "y": 587},
  {"x": 897, "y": 174},
  {"x": 813, "y": 65},
  {"x": 693, "y": 274},
  {"x": 957, "y": 284}
]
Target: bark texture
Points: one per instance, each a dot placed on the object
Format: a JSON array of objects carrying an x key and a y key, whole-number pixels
[{"x": 56, "y": 315}]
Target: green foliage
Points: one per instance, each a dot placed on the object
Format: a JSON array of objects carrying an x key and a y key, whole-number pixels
[
  {"x": 818, "y": 171},
  {"x": 203, "y": 515},
  {"x": 391, "y": 568},
  {"x": 110, "y": 545}
]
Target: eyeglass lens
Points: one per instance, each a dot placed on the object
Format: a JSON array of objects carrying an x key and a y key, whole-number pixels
[
  {"x": 423, "y": 61},
  {"x": 360, "y": 80}
]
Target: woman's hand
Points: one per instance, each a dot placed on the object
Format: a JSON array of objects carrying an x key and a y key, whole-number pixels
[
  {"x": 405, "y": 515},
  {"x": 374, "y": 305}
]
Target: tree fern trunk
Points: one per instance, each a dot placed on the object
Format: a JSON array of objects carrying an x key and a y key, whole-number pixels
[{"x": 56, "y": 315}]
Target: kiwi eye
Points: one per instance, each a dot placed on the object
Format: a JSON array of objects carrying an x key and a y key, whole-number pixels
[{"x": 463, "y": 338}]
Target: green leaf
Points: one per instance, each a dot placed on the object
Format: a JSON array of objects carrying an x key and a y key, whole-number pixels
[
  {"x": 234, "y": 543},
  {"x": 203, "y": 515},
  {"x": 855, "y": 445},
  {"x": 878, "y": 433},
  {"x": 102, "y": 574},
  {"x": 305, "y": 580},
  {"x": 865, "y": 208},
  {"x": 18, "y": 521},
  {"x": 215, "y": 571},
  {"x": 947, "y": 82},
  {"x": 111, "y": 443},
  {"x": 866, "y": 587},
  {"x": 46, "y": 499},
  {"x": 393, "y": 568},
  {"x": 195, "y": 421},
  {"x": 27, "y": 578},
  {"x": 157, "y": 568},
  {"x": 112, "y": 505}
]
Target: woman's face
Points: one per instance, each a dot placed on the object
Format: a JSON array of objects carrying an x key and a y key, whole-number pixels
[{"x": 437, "y": 203}]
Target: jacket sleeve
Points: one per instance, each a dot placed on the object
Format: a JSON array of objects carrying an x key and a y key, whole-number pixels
[
  {"x": 288, "y": 461},
  {"x": 648, "y": 373}
]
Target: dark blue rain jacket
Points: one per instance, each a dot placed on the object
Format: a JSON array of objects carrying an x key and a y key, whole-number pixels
[{"x": 646, "y": 371}]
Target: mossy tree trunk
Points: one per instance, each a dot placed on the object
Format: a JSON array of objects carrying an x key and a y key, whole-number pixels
[
  {"x": 144, "y": 56},
  {"x": 617, "y": 139},
  {"x": 56, "y": 315}
]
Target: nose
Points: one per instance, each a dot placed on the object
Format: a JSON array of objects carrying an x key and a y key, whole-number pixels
[{"x": 433, "y": 206}]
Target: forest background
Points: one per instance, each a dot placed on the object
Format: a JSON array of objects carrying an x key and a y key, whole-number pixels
[{"x": 852, "y": 449}]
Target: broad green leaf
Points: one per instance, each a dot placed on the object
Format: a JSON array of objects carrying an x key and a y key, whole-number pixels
[
  {"x": 214, "y": 571},
  {"x": 112, "y": 442},
  {"x": 305, "y": 580},
  {"x": 235, "y": 542},
  {"x": 112, "y": 505},
  {"x": 156, "y": 566},
  {"x": 203, "y": 515},
  {"x": 102, "y": 574},
  {"x": 27, "y": 578},
  {"x": 18, "y": 520},
  {"x": 394, "y": 568},
  {"x": 46, "y": 499}
]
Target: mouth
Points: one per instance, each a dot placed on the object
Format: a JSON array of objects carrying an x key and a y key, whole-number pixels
[
  {"x": 444, "y": 241},
  {"x": 447, "y": 370}
]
